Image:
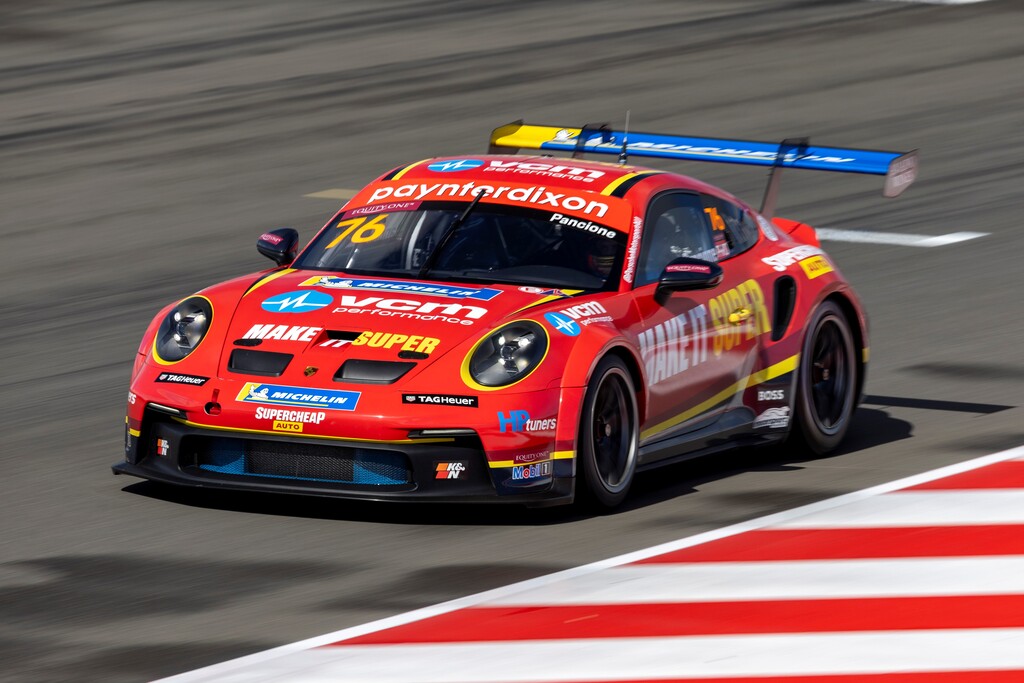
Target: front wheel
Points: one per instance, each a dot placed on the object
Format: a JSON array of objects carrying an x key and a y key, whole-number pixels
[
  {"x": 609, "y": 435},
  {"x": 826, "y": 382}
]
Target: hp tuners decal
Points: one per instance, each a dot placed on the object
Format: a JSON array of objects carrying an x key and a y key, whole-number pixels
[
  {"x": 297, "y": 302},
  {"x": 302, "y": 397},
  {"x": 563, "y": 323},
  {"x": 520, "y": 421}
]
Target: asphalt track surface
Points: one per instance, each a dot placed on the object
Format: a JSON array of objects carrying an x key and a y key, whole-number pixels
[{"x": 145, "y": 145}]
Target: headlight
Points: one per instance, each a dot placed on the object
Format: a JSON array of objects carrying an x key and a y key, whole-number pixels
[
  {"x": 509, "y": 354},
  {"x": 183, "y": 329}
]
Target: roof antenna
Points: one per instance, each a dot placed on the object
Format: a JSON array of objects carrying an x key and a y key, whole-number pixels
[{"x": 625, "y": 141}]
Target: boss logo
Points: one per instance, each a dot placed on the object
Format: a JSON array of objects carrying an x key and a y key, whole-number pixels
[{"x": 771, "y": 395}]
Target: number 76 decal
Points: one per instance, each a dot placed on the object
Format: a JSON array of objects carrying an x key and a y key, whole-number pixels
[{"x": 363, "y": 229}]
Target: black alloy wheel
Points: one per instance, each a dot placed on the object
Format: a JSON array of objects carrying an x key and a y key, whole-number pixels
[
  {"x": 827, "y": 381},
  {"x": 609, "y": 435}
]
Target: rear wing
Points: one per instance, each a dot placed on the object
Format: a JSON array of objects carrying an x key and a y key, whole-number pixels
[{"x": 899, "y": 168}]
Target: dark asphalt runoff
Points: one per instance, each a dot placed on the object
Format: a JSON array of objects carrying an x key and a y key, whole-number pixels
[{"x": 145, "y": 145}]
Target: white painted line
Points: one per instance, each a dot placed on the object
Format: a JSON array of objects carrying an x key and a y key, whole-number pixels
[
  {"x": 951, "y": 238},
  {"x": 920, "y": 508},
  {"x": 630, "y": 659},
  {"x": 336, "y": 193},
  {"x": 897, "y": 238},
  {"x": 250, "y": 667},
  {"x": 643, "y": 584}
]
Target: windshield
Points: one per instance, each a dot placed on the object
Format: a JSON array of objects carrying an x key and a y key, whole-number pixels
[{"x": 495, "y": 243}]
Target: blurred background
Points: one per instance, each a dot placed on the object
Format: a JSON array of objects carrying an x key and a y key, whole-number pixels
[{"x": 144, "y": 146}]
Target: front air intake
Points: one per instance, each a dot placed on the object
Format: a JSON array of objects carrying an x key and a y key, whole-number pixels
[
  {"x": 300, "y": 461},
  {"x": 265, "y": 363},
  {"x": 372, "y": 371}
]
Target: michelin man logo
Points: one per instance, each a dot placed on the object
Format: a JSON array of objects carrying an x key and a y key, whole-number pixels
[{"x": 261, "y": 395}]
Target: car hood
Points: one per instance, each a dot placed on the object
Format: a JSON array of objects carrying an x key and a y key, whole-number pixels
[{"x": 324, "y": 319}]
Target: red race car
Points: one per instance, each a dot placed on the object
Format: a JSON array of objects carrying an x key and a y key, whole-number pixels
[{"x": 512, "y": 328}]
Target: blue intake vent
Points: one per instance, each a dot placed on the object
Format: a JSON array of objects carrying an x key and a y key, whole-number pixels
[{"x": 305, "y": 462}]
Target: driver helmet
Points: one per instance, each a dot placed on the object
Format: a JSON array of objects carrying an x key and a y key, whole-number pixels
[{"x": 601, "y": 256}]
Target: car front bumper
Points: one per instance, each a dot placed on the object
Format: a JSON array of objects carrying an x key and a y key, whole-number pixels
[{"x": 171, "y": 449}]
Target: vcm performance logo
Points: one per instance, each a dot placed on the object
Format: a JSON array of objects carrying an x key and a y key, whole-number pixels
[
  {"x": 563, "y": 323},
  {"x": 455, "y": 165},
  {"x": 297, "y": 302}
]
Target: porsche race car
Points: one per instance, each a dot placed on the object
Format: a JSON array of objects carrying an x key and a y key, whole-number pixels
[{"x": 508, "y": 327}]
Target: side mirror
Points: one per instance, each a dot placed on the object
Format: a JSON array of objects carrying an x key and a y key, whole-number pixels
[
  {"x": 280, "y": 246},
  {"x": 685, "y": 274}
]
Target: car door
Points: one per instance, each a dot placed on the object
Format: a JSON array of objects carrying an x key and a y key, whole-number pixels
[{"x": 697, "y": 346}]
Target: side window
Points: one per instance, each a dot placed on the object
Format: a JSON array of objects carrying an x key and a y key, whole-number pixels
[
  {"x": 734, "y": 228},
  {"x": 676, "y": 226}
]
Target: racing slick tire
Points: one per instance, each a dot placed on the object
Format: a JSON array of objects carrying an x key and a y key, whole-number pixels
[
  {"x": 826, "y": 382},
  {"x": 609, "y": 435}
]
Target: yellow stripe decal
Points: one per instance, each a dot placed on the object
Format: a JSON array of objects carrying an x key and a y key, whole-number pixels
[
  {"x": 618, "y": 181},
  {"x": 864, "y": 354},
  {"x": 777, "y": 370},
  {"x": 621, "y": 179},
  {"x": 547, "y": 299},
  {"x": 495, "y": 464},
  {"x": 269, "y": 278},
  {"x": 309, "y": 436},
  {"x": 557, "y": 455},
  {"x": 407, "y": 169}
]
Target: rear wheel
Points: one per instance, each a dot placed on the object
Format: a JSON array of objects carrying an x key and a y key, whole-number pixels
[
  {"x": 609, "y": 435},
  {"x": 827, "y": 381}
]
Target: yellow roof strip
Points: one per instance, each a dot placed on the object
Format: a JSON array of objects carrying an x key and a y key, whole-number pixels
[
  {"x": 777, "y": 370},
  {"x": 614, "y": 185},
  {"x": 407, "y": 169}
]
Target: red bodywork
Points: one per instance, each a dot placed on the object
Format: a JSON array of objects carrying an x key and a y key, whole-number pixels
[{"x": 700, "y": 374}]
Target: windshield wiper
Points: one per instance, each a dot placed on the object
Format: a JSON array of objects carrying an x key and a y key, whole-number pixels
[{"x": 446, "y": 237}]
